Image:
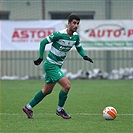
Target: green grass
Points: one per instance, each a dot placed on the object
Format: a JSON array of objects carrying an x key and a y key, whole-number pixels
[{"x": 85, "y": 103}]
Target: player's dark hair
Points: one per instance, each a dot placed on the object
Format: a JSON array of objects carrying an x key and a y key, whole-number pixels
[{"x": 73, "y": 16}]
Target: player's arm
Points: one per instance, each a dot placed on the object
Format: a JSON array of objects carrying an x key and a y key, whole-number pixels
[
  {"x": 51, "y": 38},
  {"x": 82, "y": 52},
  {"x": 41, "y": 51}
]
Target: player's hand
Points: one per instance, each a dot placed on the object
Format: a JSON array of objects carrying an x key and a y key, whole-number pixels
[
  {"x": 88, "y": 59},
  {"x": 38, "y": 61}
]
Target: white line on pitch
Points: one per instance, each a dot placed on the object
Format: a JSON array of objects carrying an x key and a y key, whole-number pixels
[{"x": 82, "y": 114}]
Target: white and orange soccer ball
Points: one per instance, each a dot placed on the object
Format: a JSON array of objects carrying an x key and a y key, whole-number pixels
[{"x": 109, "y": 113}]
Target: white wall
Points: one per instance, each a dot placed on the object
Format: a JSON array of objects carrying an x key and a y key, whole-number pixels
[
  {"x": 21, "y": 10},
  {"x": 32, "y": 9},
  {"x": 122, "y": 9},
  {"x": 77, "y": 5}
]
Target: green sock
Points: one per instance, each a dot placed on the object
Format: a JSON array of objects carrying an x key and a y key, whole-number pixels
[
  {"x": 38, "y": 97},
  {"x": 62, "y": 98}
]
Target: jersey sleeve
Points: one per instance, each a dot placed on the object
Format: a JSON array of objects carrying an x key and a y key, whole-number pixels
[
  {"x": 51, "y": 38},
  {"x": 80, "y": 48},
  {"x": 77, "y": 44},
  {"x": 42, "y": 47}
]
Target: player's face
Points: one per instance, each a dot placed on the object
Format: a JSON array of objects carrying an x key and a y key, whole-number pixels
[{"x": 74, "y": 25}]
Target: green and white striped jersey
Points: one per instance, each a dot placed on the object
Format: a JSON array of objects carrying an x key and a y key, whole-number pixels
[{"x": 61, "y": 44}]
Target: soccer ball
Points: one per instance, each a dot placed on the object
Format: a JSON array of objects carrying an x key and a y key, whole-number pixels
[{"x": 109, "y": 113}]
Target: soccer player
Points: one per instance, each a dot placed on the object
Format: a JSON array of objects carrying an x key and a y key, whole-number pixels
[{"x": 62, "y": 42}]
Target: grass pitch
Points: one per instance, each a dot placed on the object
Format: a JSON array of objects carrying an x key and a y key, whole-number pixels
[{"x": 85, "y": 103}]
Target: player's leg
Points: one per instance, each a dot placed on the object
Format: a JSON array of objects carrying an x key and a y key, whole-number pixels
[
  {"x": 65, "y": 83},
  {"x": 48, "y": 87}
]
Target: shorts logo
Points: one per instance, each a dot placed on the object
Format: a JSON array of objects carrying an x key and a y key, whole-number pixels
[{"x": 60, "y": 73}]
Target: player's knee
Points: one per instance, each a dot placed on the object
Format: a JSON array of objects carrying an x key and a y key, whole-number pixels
[
  {"x": 67, "y": 87},
  {"x": 46, "y": 92}
]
